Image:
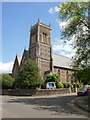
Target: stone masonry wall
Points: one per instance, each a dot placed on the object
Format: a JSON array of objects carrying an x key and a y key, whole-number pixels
[{"x": 34, "y": 92}]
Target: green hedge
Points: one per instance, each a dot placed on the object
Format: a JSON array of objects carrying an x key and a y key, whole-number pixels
[
  {"x": 79, "y": 85},
  {"x": 66, "y": 85},
  {"x": 59, "y": 85}
]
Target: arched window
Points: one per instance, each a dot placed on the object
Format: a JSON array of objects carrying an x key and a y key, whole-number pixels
[
  {"x": 58, "y": 73},
  {"x": 44, "y": 37},
  {"x": 41, "y": 39},
  {"x": 48, "y": 39},
  {"x": 67, "y": 76}
]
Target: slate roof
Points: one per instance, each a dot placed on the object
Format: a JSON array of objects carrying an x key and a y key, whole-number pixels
[
  {"x": 61, "y": 61},
  {"x": 58, "y": 61}
]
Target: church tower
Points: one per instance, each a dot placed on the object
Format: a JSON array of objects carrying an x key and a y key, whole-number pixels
[{"x": 40, "y": 48}]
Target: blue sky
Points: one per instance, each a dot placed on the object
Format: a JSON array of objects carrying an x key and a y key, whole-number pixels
[{"x": 16, "y": 21}]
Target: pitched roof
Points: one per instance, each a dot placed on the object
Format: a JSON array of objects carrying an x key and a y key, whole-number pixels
[
  {"x": 19, "y": 59},
  {"x": 61, "y": 61},
  {"x": 58, "y": 61}
]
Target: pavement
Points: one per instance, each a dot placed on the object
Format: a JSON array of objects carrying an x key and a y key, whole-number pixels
[
  {"x": 57, "y": 106},
  {"x": 82, "y": 104},
  {"x": 54, "y": 106}
]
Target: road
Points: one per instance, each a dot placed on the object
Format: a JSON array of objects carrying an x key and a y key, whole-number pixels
[{"x": 56, "y": 106}]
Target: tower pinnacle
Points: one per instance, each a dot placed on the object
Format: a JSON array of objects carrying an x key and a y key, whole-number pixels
[
  {"x": 49, "y": 24},
  {"x": 38, "y": 20}
]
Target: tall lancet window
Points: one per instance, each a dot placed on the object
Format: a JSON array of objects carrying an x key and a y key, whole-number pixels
[
  {"x": 59, "y": 74},
  {"x": 41, "y": 39},
  {"x": 45, "y": 37},
  {"x": 48, "y": 39},
  {"x": 67, "y": 76}
]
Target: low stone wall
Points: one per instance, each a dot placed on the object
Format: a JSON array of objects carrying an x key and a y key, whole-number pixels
[{"x": 27, "y": 92}]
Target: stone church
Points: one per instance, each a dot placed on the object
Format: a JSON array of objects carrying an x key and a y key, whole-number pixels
[{"x": 40, "y": 50}]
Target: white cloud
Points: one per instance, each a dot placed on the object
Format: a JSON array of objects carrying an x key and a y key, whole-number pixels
[
  {"x": 51, "y": 10},
  {"x": 63, "y": 25},
  {"x": 57, "y": 47},
  {"x": 63, "y": 46},
  {"x": 65, "y": 49},
  {"x": 6, "y": 67},
  {"x": 54, "y": 9},
  {"x": 69, "y": 55}
]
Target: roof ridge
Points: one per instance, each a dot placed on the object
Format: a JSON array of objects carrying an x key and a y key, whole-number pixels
[{"x": 61, "y": 55}]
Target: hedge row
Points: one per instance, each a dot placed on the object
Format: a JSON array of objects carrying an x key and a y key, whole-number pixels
[{"x": 67, "y": 85}]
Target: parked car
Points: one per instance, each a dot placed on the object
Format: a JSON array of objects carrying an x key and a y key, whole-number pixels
[
  {"x": 87, "y": 91},
  {"x": 84, "y": 91},
  {"x": 86, "y": 85}
]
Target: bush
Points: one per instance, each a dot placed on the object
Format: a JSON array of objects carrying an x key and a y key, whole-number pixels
[
  {"x": 79, "y": 85},
  {"x": 66, "y": 85},
  {"x": 59, "y": 85},
  {"x": 7, "y": 81},
  {"x": 52, "y": 78}
]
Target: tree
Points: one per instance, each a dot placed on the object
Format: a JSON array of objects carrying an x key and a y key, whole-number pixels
[
  {"x": 7, "y": 81},
  {"x": 76, "y": 16},
  {"x": 52, "y": 78},
  {"x": 29, "y": 75},
  {"x": 0, "y": 81},
  {"x": 83, "y": 75}
]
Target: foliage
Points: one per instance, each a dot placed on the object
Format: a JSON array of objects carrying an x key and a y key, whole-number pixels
[
  {"x": 7, "y": 81},
  {"x": 83, "y": 75},
  {"x": 59, "y": 85},
  {"x": 66, "y": 85},
  {"x": 79, "y": 85},
  {"x": 0, "y": 81},
  {"x": 29, "y": 75},
  {"x": 52, "y": 78},
  {"x": 76, "y": 16},
  {"x": 77, "y": 19}
]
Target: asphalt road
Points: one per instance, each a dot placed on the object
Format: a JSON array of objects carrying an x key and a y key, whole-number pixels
[{"x": 56, "y": 106}]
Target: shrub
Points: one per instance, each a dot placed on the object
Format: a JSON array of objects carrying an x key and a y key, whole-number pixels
[
  {"x": 7, "y": 81},
  {"x": 66, "y": 85},
  {"x": 59, "y": 85},
  {"x": 52, "y": 78},
  {"x": 79, "y": 85}
]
